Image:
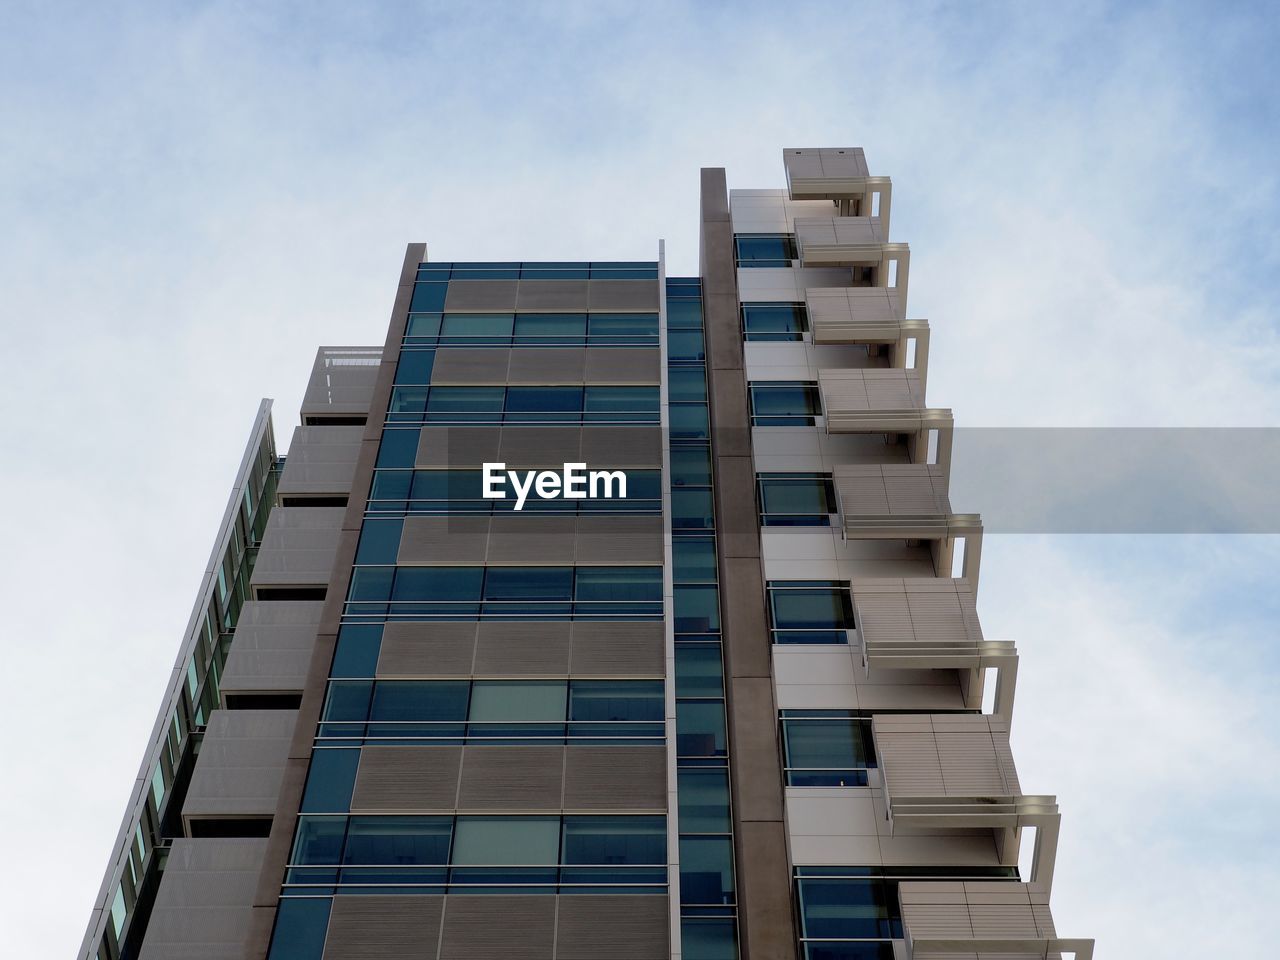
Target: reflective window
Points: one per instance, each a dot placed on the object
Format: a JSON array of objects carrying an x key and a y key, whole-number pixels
[
  {"x": 706, "y": 870},
  {"x": 774, "y": 322},
  {"x": 764, "y": 249},
  {"x": 704, "y": 800},
  {"x": 784, "y": 404},
  {"x": 796, "y": 499},
  {"x": 506, "y": 841},
  {"x": 827, "y": 748},
  {"x": 809, "y": 611}
]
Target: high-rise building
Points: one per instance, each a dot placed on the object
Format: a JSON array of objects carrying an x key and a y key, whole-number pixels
[{"x": 601, "y": 615}]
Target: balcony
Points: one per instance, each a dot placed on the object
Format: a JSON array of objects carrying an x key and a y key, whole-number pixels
[
  {"x": 926, "y": 623},
  {"x": 981, "y": 919},
  {"x": 955, "y": 771},
  {"x": 868, "y": 315},
  {"x": 839, "y": 174},
  {"x": 907, "y": 501},
  {"x": 879, "y": 400},
  {"x": 855, "y": 242}
]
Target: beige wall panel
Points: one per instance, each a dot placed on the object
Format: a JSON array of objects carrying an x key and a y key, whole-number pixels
[
  {"x": 512, "y": 649},
  {"x": 617, "y": 649},
  {"x": 612, "y": 928},
  {"x": 505, "y": 778},
  {"x": 383, "y": 928},
  {"x": 458, "y": 447},
  {"x": 494, "y": 927},
  {"x": 470, "y": 366},
  {"x": 427, "y": 650},
  {"x": 444, "y": 540},
  {"x": 623, "y": 296},
  {"x": 552, "y": 296},
  {"x": 615, "y": 778}
]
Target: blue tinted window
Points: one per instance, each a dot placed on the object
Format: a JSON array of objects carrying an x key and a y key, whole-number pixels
[
  {"x": 399, "y": 448},
  {"x": 699, "y": 670},
  {"x": 415, "y": 366},
  {"x": 687, "y": 384},
  {"x": 692, "y": 509},
  {"x": 697, "y": 608},
  {"x": 348, "y": 701},
  {"x": 318, "y": 840},
  {"x": 465, "y": 399},
  {"x": 690, "y": 466},
  {"x": 615, "y": 700},
  {"x": 372, "y": 583},
  {"x": 709, "y": 939},
  {"x": 608, "y": 328},
  {"x": 477, "y": 326},
  {"x": 774, "y": 321},
  {"x": 684, "y": 314},
  {"x": 420, "y": 700},
  {"x": 302, "y": 923},
  {"x": 764, "y": 249},
  {"x": 826, "y": 748},
  {"x": 405, "y": 400},
  {"x": 428, "y": 297},
  {"x": 809, "y": 614},
  {"x": 688, "y": 421},
  {"x": 536, "y": 399},
  {"x": 423, "y": 325},
  {"x": 853, "y": 908},
  {"x": 529, "y": 583},
  {"x": 330, "y": 780},
  {"x": 695, "y": 559},
  {"x": 390, "y": 489},
  {"x": 614, "y": 840},
  {"x": 379, "y": 541},
  {"x": 784, "y": 404},
  {"x": 685, "y": 345},
  {"x": 356, "y": 654},
  {"x": 398, "y": 840},
  {"x": 438, "y": 583},
  {"x": 796, "y": 499},
  {"x": 622, "y": 400},
  {"x": 619, "y": 583},
  {"x": 706, "y": 870},
  {"x": 700, "y": 728},
  {"x": 551, "y": 327}
]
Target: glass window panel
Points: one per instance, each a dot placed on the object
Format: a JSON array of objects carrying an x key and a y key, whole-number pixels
[
  {"x": 774, "y": 321},
  {"x": 692, "y": 510},
  {"x": 684, "y": 314},
  {"x": 356, "y": 654},
  {"x": 318, "y": 840},
  {"x": 438, "y": 583},
  {"x": 348, "y": 701},
  {"x": 423, "y": 325},
  {"x": 478, "y": 325},
  {"x": 706, "y": 870},
  {"x": 302, "y": 923},
  {"x": 704, "y": 800},
  {"x": 391, "y": 485},
  {"x": 372, "y": 583},
  {"x": 619, "y": 583},
  {"x": 699, "y": 670},
  {"x": 687, "y": 383},
  {"x": 690, "y": 465},
  {"x": 379, "y": 540},
  {"x": 610, "y": 840},
  {"x": 506, "y": 841},
  {"x": 689, "y": 421},
  {"x": 605, "y": 700},
  {"x": 811, "y": 608},
  {"x": 621, "y": 399},
  {"x": 415, "y": 366},
  {"x": 555, "y": 326},
  {"x": 695, "y": 559},
  {"x": 330, "y": 780},
  {"x": 623, "y": 327},
  {"x": 700, "y": 728},
  {"x": 834, "y": 744},
  {"x": 855, "y": 908},
  {"x": 466, "y": 399},
  {"x": 765, "y": 250},
  {"x": 518, "y": 701},
  {"x": 398, "y": 840},
  {"x": 537, "y": 399},
  {"x": 685, "y": 345},
  {"x": 408, "y": 400},
  {"x": 708, "y": 939},
  {"x": 428, "y": 297},
  {"x": 528, "y": 583},
  {"x": 782, "y": 400},
  {"x": 399, "y": 448},
  {"x": 419, "y": 700},
  {"x": 697, "y": 608}
]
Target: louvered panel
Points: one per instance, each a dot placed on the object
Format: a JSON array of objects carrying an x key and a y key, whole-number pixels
[
  {"x": 862, "y": 492},
  {"x": 499, "y": 928},
  {"x": 619, "y": 540},
  {"x": 481, "y": 296},
  {"x": 458, "y": 447},
  {"x": 615, "y": 778},
  {"x": 883, "y": 617},
  {"x": 525, "y": 539},
  {"x": 623, "y": 365},
  {"x": 461, "y": 540},
  {"x": 552, "y": 366},
  {"x": 554, "y": 296},
  {"x": 470, "y": 366},
  {"x": 517, "y": 649},
  {"x": 894, "y": 389},
  {"x": 415, "y": 779},
  {"x": 512, "y": 778},
  {"x": 621, "y": 448},
  {"x": 617, "y": 649},
  {"x": 909, "y": 762},
  {"x": 551, "y": 447},
  {"x": 612, "y": 928},
  {"x": 427, "y": 650},
  {"x": 1003, "y": 920},
  {"x": 383, "y": 928},
  {"x": 938, "y": 920},
  {"x": 970, "y": 766}
]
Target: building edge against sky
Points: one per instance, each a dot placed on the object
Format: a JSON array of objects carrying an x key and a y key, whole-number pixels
[{"x": 739, "y": 713}]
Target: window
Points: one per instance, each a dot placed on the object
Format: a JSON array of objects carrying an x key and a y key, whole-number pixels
[
  {"x": 809, "y": 611},
  {"x": 784, "y": 404},
  {"x": 442, "y": 492},
  {"x": 426, "y": 330},
  {"x": 458, "y": 711},
  {"x": 544, "y": 404},
  {"x": 827, "y": 748},
  {"x": 796, "y": 499},
  {"x": 434, "y": 854},
  {"x": 774, "y": 322},
  {"x": 764, "y": 249}
]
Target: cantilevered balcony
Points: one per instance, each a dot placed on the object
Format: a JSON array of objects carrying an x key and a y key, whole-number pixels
[
  {"x": 907, "y": 501},
  {"x": 839, "y": 174},
  {"x": 955, "y": 771},
  {"x": 878, "y": 400},
  {"x": 981, "y": 919},
  {"x": 931, "y": 623},
  {"x": 868, "y": 315},
  {"x": 854, "y": 242}
]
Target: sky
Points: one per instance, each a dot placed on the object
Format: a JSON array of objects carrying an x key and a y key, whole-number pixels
[{"x": 193, "y": 197}]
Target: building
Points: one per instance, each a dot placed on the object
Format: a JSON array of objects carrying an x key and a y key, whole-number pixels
[{"x": 737, "y": 711}]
